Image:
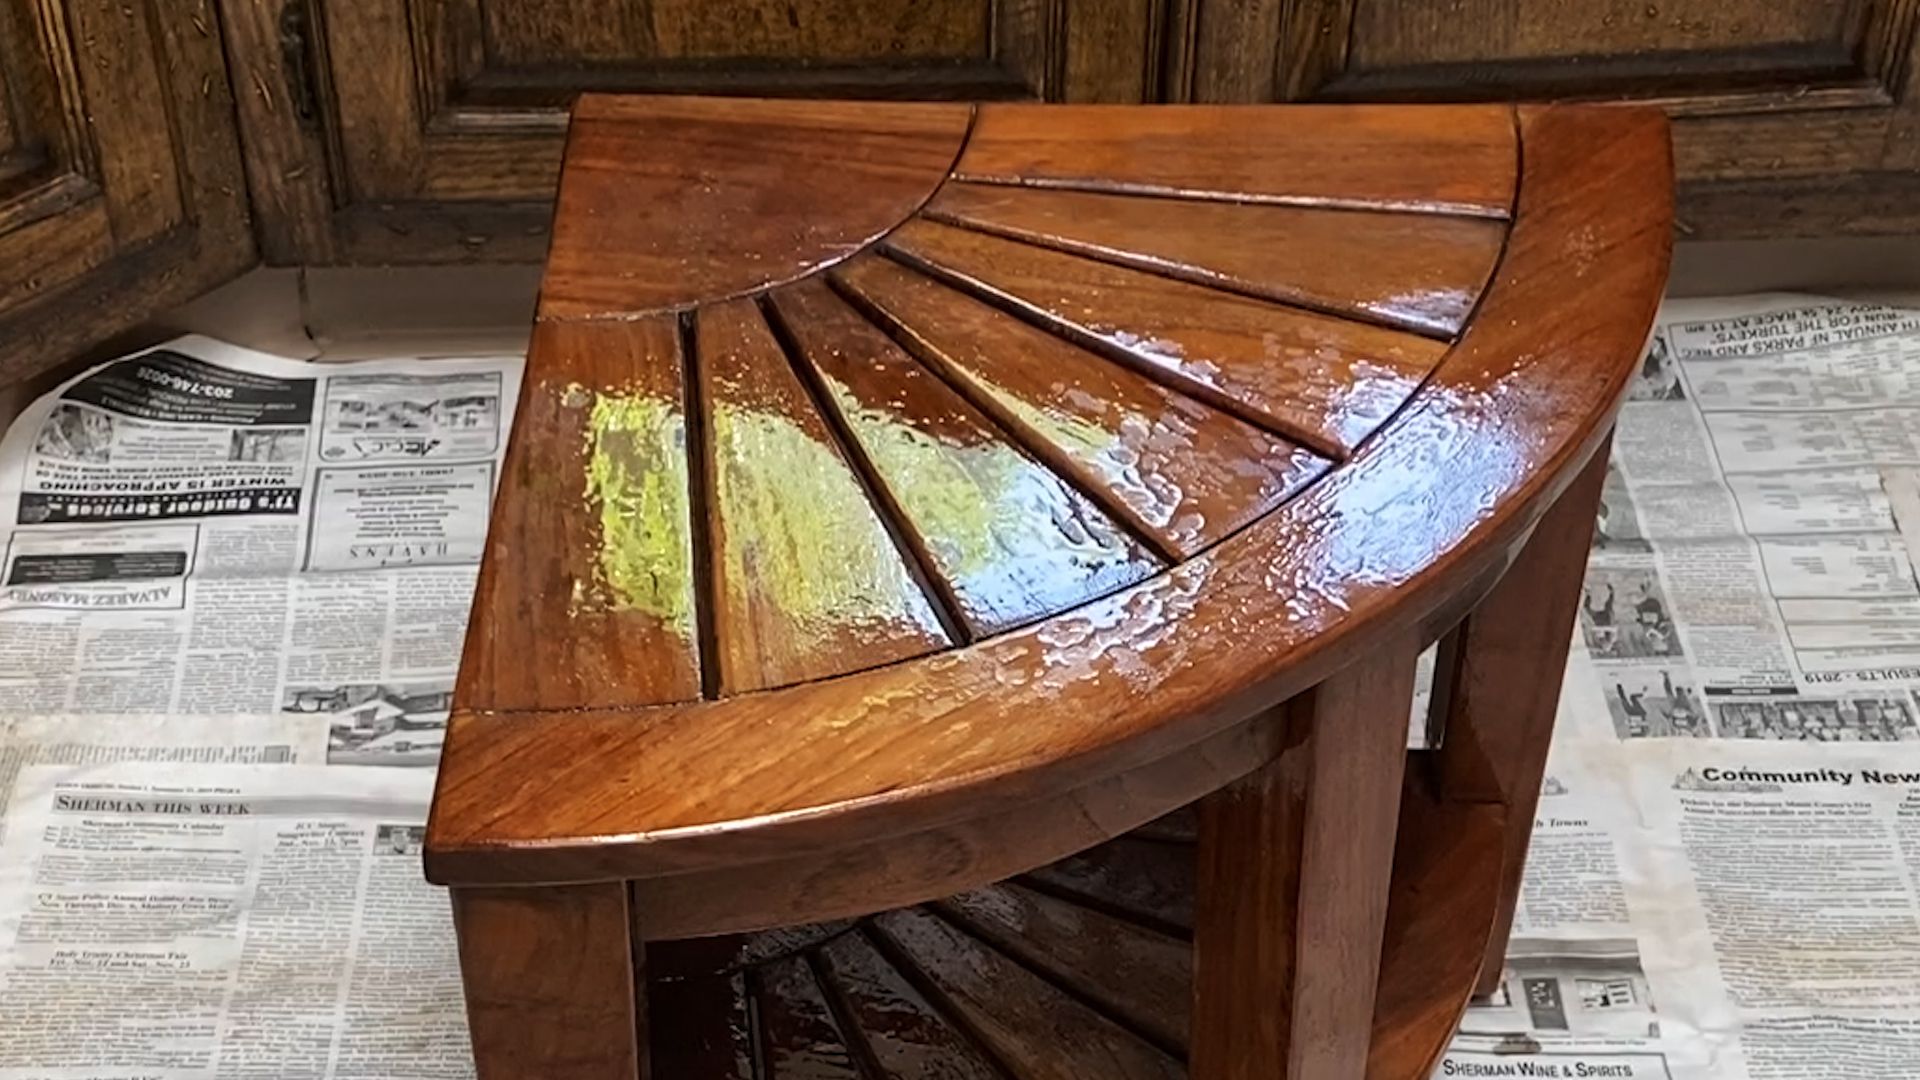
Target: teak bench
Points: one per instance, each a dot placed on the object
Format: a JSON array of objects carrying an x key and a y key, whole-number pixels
[{"x": 912, "y": 508}]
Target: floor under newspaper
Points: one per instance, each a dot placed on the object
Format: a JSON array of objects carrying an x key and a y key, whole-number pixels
[{"x": 234, "y": 598}]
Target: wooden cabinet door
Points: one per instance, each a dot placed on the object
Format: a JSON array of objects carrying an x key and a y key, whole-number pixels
[
  {"x": 120, "y": 182},
  {"x": 431, "y": 130},
  {"x": 1793, "y": 117}
]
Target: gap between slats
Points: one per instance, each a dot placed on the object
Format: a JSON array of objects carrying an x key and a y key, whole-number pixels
[
  {"x": 934, "y": 367},
  {"x": 865, "y": 1061},
  {"x": 928, "y": 988},
  {"x": 1293, "y": 433},
  {"x": 700, "y": 499},
  {"x": 1311, "y": 202},
  {"x": 1289, "y": 298},
  {"x": 1039, "y": 969},
  {"x": 939, "y": 594}
]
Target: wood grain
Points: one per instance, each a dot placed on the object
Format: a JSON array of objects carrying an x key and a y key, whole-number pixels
[
  {"x": 1145, "y": 883},
  {"x": 432, "y": 133},
  {"x": 138, "y": 174},
  {"x": 1137, "y": 975},
  {"x": 1357, "y": 560},
  {"x": 668, "y": 201},
  {"x": 54, "y": 251},
  {"x": 1346, "y": 858},
  {"x": 1323, "y": 382},
  {"x": 1438, "y": 920},
  {"x": 1007, "y": 541},
  {"x": 593, "y": 600},
  {"x": 1489, "y": 32},
  {"x": 1291, "y": 901},
  {"x": 823, "y": 31},
  {"x": 900, "y": 1025},
  {"x": 1495, "y": 730},
  {"x": 550, "y": 983},
  {"x": 902, "y": 1032},
  {"x": 1418, "y": 272},
  {"x": 807, "y": 581},
  {"x": 1024, "y": 1019},
  {"x": 1148, "y": 884},
  {"x": 800, "y": 1038},
  {"x": 285, "y": 142},
  {"x": 1448, "y": 159},
  {"x": 133, "y": 116},
  {"x": 1796, "y": 118},
  {"x": 1178, "y": 471}
]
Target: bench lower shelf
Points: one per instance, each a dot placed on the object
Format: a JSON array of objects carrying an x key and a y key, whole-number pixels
[{"x": 1081, "y": 968}]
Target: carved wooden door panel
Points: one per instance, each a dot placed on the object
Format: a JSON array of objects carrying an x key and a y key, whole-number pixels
[
  {"x": 1794, "y": 117},
  {"x": 431, "y": 130},
  {"x": 120, "y": 181}
]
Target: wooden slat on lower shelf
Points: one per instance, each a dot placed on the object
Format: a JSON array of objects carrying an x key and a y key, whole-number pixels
[
  {"x": 1145, "y": 882},
  {"x": 1009, "y": 982},
  {"x": 1134, "y": 974},
  {"x": 799, "y": 1037},
  {"x": 1038, "y": 1031},
  {"x": 904, "y": 1034}
]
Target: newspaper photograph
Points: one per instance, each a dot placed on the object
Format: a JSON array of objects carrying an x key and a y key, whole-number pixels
[{"x": 204, "y": 530}]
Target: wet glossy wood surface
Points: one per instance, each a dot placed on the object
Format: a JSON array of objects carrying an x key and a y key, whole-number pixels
[
  {"x": 868, "y": 563},
  {"x": 807, "y": 580},
  {"x": 1458, "y": 159},
  {"x": 753, "y": 193},
  {"x": 1420, "y": 272},
  {"x": 1179, "y": 471},
  {"x": 1323, "y": 382},
  {"x": 1008, "y": 540},
  {"x": 1428, "y": 503},
  {"x": 604, "y": 590}
]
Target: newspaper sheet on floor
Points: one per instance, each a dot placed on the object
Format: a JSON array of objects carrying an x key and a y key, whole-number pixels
[
  {"x": 1714, "y": 893},
  {"x": 171, "y": 921},
  {"x": 203, "y": 530}
]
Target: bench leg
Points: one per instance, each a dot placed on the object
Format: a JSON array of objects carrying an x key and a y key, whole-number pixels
[
  {"x": 1291, "y": 899},
  {"x": 553, "y": 984},
  {"x": 1499, "y": 679}
]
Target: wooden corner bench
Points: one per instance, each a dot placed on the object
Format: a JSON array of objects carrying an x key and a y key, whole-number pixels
[{"x": 912, "y": 508}]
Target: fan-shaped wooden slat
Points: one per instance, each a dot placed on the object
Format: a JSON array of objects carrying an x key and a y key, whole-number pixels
[
  {"x": 1183, "y": 473},
  {"x": 1142, "y": 976},
  {"x": 1024, "y": 1019},
  {"x": 1088, "y": 684},
  {"x": 1320, "y": 380},
  {"x": 604, "y": 592},
  {"x": 667, "y": 202},
  {"x": 807, "y": 582},
  {"x": 898, "y": 1029},
  {"x": 800, "y": 1038},
  {"x": 1007, "y": 540},
  {"x": 1452, "y": 159},
  {"x": 1420, "y": 272},
  {"x": 1140, "y": 880}
]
